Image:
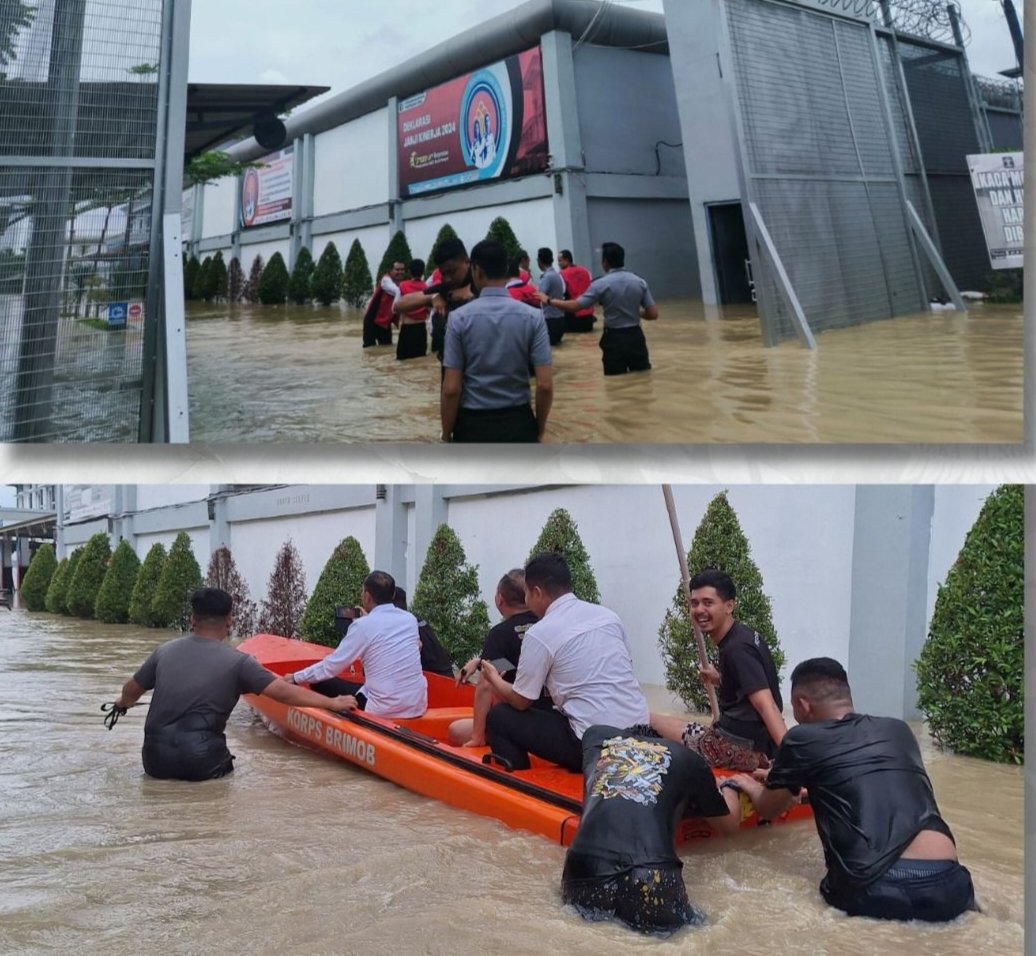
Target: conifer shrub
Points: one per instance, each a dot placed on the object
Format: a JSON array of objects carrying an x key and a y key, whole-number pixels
[
  {"x": 718, "y": 543},
  {"x": 561, "y": 535},
  {"x": 180, "y": 578},
  {"x": 57, "y": 587},
  {"x": 191, "y": 271},
  {"x": 113, "y": 599},
  {"x": 447, "y": 597},
  {"x": 446, "y": 232},
  {"x": 61, "y": 598},
  {"x": 326, "y": 285},
  {"x": 340, "y": 584},
  {"x": 223, "y": 574},
  {"x": 250, "y": 291},
  {"x": 89, "y": 576},
  {"x": 500, "y": 231},
  {"x": 235, "y": 286},
  {"x": 273, "y": 285},
  {"x": 970, "y": 675},
  {"x": 216, "y": 281},
  {"x": 357, "y": 284},
  {"x": 285, "y": 601},
  {"x": 147, "y": 583},
  {"x": 398, "y": 251},
  {"x": 201, "y": 283},
  {"x": 299, "y": 291},
  {"x": 38, "y": 577}
]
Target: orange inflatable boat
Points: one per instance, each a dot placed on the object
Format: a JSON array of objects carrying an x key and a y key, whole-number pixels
[{"x": 415, "y": 754}]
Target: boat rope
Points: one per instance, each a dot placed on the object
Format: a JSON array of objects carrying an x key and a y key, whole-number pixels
[{"x": 114, "y": 713}]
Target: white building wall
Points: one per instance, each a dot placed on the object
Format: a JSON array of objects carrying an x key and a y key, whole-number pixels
[
  {"x": 352, "y": 165},
  {"x": 374, "y": 239},
  {"x": 264, "y": 249},
  {"x": 220, "y": 204},
  {"x": 199, "y": 544},
  {"x": 956, "y": 510},
  {"x": 161, "y": 496}
]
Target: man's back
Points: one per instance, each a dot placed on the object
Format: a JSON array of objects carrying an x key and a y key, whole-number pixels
[
  {"x": 386, "y": 642},
  {"x": 622, "y": 294}
]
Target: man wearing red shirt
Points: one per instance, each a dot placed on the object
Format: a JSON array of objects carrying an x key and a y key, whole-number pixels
[
  {"x": 413, "y": 328},
  {"x": 378, "y": 319},
  {"x": 577, "y": 281},
  {"x": 520, "y": 288}
]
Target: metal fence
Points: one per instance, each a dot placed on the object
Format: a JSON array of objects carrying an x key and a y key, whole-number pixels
[
  {"x": 80, "y": 123},
  {"x": 1002, "y": 102}
]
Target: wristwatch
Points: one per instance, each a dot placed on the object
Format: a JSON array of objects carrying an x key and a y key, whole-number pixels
[{"x": 290, "y": 678}]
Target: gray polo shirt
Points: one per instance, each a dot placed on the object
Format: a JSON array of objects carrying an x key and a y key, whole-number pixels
[
  {"x": 493, "y": 341},
  {"x": 622, "y": 294},
  {"x": 552, "y": 286}
]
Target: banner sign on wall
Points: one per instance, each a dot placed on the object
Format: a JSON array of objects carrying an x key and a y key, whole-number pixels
[
  {"x": 999, "y": 181},
  {"x": 487, "y": 125},
  {"x": 266, "y": 193},
  {"x": 87, "y": 501}
]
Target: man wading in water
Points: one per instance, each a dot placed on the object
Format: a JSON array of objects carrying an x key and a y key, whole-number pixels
[{"x": 197, "y": 681}]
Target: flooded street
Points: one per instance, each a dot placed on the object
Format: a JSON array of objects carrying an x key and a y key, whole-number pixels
[
  {"x": 300, "y": 375},
  {"x": 298, "y": 853}
]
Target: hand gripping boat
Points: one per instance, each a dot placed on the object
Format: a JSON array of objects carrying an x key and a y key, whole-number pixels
[{"x": 415, "y": 754}]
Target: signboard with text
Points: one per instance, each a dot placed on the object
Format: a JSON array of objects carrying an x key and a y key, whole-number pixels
[
  {"x": 999, "y": 182},
  {"x": 266, "y": 193},
  {"x": 488, "y": 125},
  {"x": 87, "y": 501}
]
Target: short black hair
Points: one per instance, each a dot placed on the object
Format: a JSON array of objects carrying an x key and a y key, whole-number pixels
[
  {"x": 211, "y": 605},
  {"x": 450, "y": 250},
  {"x": 522, "y": 255},
  {"x": 491, "y": 258},
  {"x": 380, "y": 586},
  {"x": 549, "y": 571},
  {"x": 417, "y": 269},
  {"x": 567, "y": 254},
  {"x": 614, "y": 255},
  {"x": 714, "y": 578},
  {"x": 826, "y": 679},
  {"x": 545, "y": 256},
  {"x": 512, "y": 588},
  {"x": 399, "y": 598},
  {"x": 514, "y": 269}
]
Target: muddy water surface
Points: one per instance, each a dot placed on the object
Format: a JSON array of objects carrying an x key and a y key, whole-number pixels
[
  {"x": 296, "y": 853},
  {"x": 300, "y": 375}
]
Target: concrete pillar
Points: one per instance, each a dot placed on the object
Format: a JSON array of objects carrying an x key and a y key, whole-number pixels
[
  {"x": 198, "y": 223},
  {"x": 297, "y": 190},
  {"x": 59, "y": 524},
  {"x": 390, "y": 534},
  {"x": 219, "y": 524},
  {"x": 889, "y": 610},
  {"x": 309, "y": 186},
  {"x": 395, "y": 201},
  {"x": 571, "y": 215},
  {"x": 430, "y": 511},
  {"x": 235, "y": 241}
]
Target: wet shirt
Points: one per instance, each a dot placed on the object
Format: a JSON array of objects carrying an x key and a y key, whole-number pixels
[
  {"x": 493, "y": 341},
  {"x": 622, "y": 295},
  {"x": 553, "y": 286},
  {"x": 745, "y": 666},
  {"x": 868, "y": 788},
  {"x": 198, "y": 676},
  {"x": 635, "y": 790}
]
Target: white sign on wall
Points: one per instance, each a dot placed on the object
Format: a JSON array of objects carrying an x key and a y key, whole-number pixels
[
  {"x": 83, "y": 502},
  {"x": 999, "y": 182}
]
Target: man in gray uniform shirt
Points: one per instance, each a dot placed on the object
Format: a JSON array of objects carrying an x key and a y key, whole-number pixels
[
  {"x": 490, "y": 345},
  {"x": 626, "y": 299},
  {"x": 553, "y": 287}
]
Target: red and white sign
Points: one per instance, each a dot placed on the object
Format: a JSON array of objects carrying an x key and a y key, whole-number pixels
[{"x": 266, "y": 194}]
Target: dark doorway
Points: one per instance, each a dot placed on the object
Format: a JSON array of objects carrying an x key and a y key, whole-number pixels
[{"x": 730, "y": 253}]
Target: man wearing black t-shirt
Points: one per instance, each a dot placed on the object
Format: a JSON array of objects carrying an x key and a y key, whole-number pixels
[
  {"x": 503, "y": 642},
  {"x": 751, "y": 725},
  {"x": 889, "y": 853}
]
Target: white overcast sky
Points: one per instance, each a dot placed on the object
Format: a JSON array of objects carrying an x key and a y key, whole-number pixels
[{"x": 340, "y": 43}]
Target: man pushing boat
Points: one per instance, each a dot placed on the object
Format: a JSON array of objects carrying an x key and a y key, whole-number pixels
[{"x": 197, "y": 681}]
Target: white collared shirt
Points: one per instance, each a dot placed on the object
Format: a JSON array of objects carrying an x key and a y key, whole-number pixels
[
  {"x": 386, "y": 642},
  {"x": 580, "y": 653}
]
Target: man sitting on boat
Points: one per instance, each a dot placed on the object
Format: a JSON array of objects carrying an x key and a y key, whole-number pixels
[
  {"x": 386, "y": 641},
  {"x": 434, "y": 659},
  {"x": 579, "y": 653},
  {"x": 197, "y": 681},
  {"x": 623, "y": 862},
  {"x": 889, "y": 853},
  {"x": 503, "y": 642}
]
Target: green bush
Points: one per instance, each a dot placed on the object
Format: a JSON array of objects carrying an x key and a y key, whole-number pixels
[
  {"x": 89, "y": 576},
  {"x": 191, "y": 271},
  {"x": 223, "y": 574},
  {"x": 181, "y": 577},
  {"x": 285, "y": 601},
  {"x": 202, "y": 282},
  {"x": 447, "y": 597},
  {"x": 214, "y": 284},
  {"x": 273, "y": 286},
  {"x": 357, "y": 284},
  {"x": 113, "y": 599},
  {"x": 561, "y": 534},
  {"x": 326, "y": 285},
  {"x": 57, "y": 587},
  {"x": 398, "y": 251},
  {"x": 61, "y": 597},
  {"x": 38, "y": 577},
  {"x": 147, "y": 583},
  {"x": 970, "y": 675},
  {"x": 299, "y": 290},
  {"x": 447, "y": 232},
  {"x": 250, "y": 291},
  {"x": 340, "y": 583},
  {"x": 235, "y": 282},
  {"x": 1007, "y": 286},
  {"x": 500, "y": 231},
  {"x": 719, "y": 543}
]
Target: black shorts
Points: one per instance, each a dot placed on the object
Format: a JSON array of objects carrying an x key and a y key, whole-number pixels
[
  {"x": 188, "y": 750},
  {"x": 580, "y": 324},
  {"x": 556, "y": 330},
  {"x": 647, "y": 899},
  {"x": 413, "y": 342},
  {"x": 336, "y": 687},
  {"x": 497, "y": 426},
  {"x": 625, "y": 350},
  {"x": 935, "y": 891}
]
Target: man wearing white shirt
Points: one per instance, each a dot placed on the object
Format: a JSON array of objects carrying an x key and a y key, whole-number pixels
[
  {"x": 386, "y": 641},
  {"x": 579, "y": 653}
]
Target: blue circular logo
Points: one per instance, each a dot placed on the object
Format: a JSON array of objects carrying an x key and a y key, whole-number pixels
[{"x": 484, "y": 135}]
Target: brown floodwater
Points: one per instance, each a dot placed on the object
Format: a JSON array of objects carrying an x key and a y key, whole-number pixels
[
  {"x": 298, "y": 853},
  {"x": 300, "y": 375}
]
